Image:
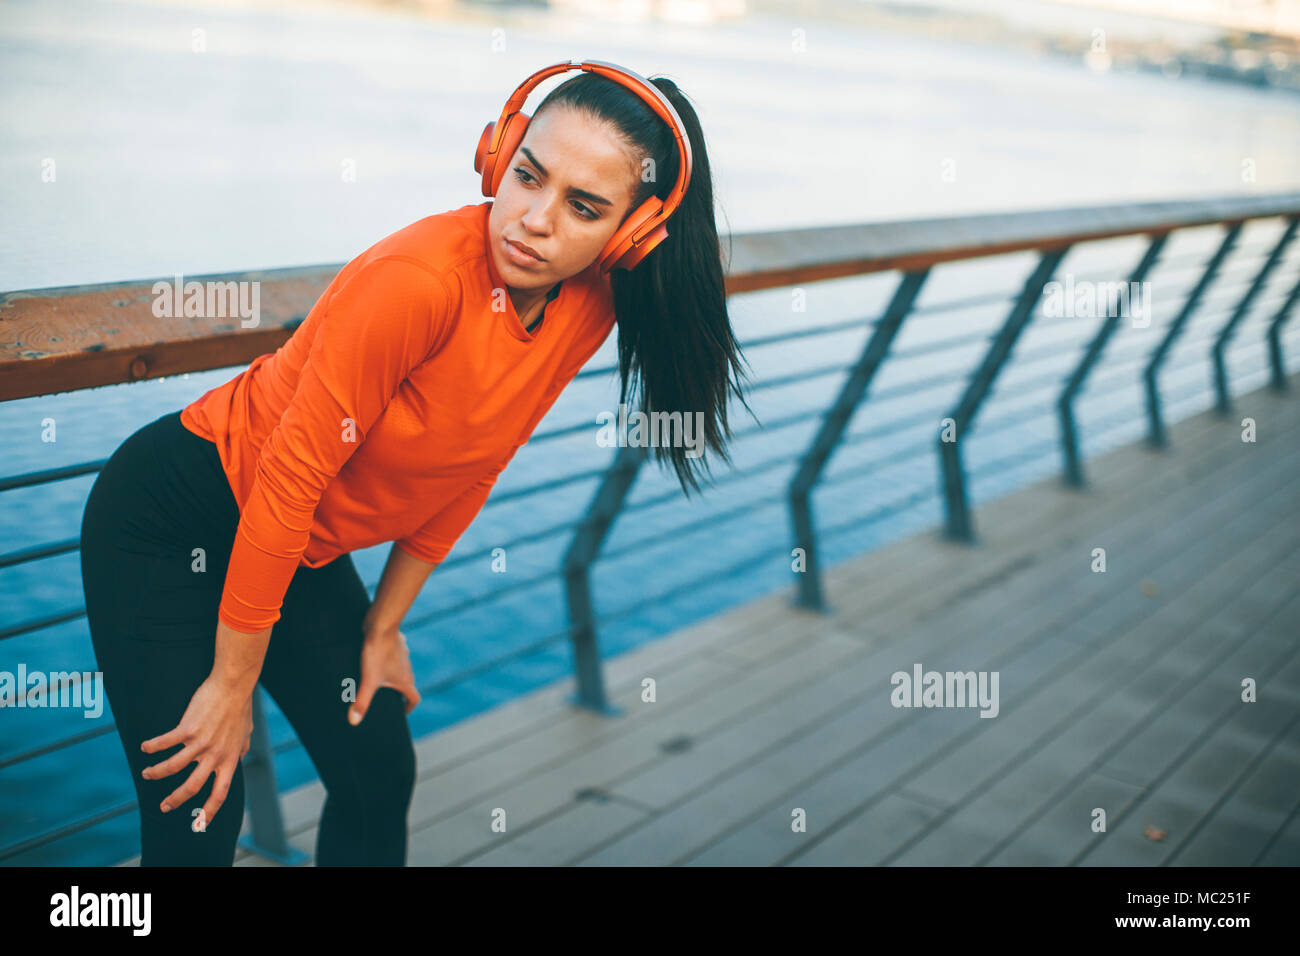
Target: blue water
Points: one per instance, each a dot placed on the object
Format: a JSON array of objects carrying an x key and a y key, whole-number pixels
[{"x": 175, "y": 161}]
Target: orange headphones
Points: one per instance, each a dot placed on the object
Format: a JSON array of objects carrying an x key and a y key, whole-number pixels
[{"x": 645, "y": 228}]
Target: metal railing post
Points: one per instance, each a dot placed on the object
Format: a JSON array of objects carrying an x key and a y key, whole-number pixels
[
  {"x": 261, "y": 796},
  {"x": 809, "y": 593},
  {"x": 1157, "y": 438},
  {"x": 958, "y": 526},
  {"x": 1065, "y": 404},
  {"x": 576, "y": 568},
  {"x": 1224, "y": 403},
  {"x": 1278, "y": 379}
]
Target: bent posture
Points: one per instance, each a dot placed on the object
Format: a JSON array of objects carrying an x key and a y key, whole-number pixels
[{"x": 216, "y": 543}]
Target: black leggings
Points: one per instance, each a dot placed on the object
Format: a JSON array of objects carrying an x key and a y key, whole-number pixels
[{"x": 152, "y": 609}]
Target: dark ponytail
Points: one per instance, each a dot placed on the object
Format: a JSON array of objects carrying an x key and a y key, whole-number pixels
[{"x": 674, "y": 334}]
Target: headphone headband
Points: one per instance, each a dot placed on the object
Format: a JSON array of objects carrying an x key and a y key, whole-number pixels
[{"x": 652, "y": 215}]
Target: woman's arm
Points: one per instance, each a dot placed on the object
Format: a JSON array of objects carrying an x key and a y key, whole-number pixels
[
  {"x": 383, "y": 318},
  {"x": 216, "y": 727},
  {"x": 237, "y": 663},
  {"x": 385, "y": 659},
  {"x": 403, "y": 576}
]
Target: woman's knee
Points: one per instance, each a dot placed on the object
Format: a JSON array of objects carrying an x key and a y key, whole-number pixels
[
  {"x": 184, "y": 836},
  {"x": 391, "y": 764},
  {"x": 382, "y": 765}
]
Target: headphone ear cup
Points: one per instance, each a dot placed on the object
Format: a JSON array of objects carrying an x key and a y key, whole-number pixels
[
  {"x": 632, "y": 258},
  {"x": 495, "y": 167},
  {"x": 619, "y": 252},
  {"x": 480, "y": 155}
]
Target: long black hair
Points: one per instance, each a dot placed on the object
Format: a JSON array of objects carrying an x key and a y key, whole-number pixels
[{"x": 674, "y": 334}]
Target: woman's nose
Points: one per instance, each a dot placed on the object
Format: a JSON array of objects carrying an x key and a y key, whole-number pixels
[{"x": 538, "y": 217}]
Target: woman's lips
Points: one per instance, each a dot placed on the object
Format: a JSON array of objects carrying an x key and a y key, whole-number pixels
[{"x": 518, "y": 256}]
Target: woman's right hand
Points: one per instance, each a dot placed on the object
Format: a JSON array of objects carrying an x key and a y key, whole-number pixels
[{"x": 216, "y": 729}]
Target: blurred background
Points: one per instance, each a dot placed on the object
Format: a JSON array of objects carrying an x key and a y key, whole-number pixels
[{"x": 208, "y": 137}]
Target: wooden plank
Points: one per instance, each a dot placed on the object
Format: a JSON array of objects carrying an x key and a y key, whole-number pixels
[
  {"x": 75, "y": 337},
  {"x": 762, "y": 260},
  {"x": 541, "y": 846},
  {"x": 1285, "y": 848},
  {"x": 1179, "y": 781},
  {"x": 1013, "y": 783},
  {"x": 1185, "y": 608},
  {"x": 543, "y": 714},
  {"x": 524, "y": 745},
  {"x": 645, "y": 851},
  {"x": 855, "y": 843},
  {"x": 1144, "y": 756},
  {"x": 1049, "y": 836},
  {"x": 449, "y": 819},
  {"x": 1071, "y": 719},
  {"x": 493, "y": 772},
  {"x": 831, "y": 739},
  {"x": 1251, "y": 817},
  {"x": 546, "y": 712}
]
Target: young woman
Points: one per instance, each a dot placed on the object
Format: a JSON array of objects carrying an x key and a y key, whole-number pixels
[{"x": 387, "y": 416}]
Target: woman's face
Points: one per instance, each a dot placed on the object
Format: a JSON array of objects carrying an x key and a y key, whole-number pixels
[{"x": 567, "y": 189}]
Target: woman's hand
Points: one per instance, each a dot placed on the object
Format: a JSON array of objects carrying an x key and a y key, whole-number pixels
[
  {"x": 216, "y": 730},
  {"x": 385, "y": 662}
]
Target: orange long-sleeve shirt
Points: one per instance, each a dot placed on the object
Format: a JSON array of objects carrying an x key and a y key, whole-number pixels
[{"x": 392, "y": 409}]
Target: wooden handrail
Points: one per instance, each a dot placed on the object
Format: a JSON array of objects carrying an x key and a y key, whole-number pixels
[{"x": 73, "y": 337}]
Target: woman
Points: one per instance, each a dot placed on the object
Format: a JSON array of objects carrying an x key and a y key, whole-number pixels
[{"x": 387, "y": 416}]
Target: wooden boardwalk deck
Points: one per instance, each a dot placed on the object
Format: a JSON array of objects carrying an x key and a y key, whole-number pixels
[{"x": 1119, "y": 690}]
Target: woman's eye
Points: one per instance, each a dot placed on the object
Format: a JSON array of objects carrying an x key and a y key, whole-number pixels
[{"x": 586, "y": 212}]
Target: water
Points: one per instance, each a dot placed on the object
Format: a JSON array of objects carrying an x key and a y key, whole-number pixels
[{"x": 169, "y": 160}]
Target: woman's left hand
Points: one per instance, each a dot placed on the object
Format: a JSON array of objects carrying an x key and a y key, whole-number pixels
[{"x": 385, "y": 662}]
